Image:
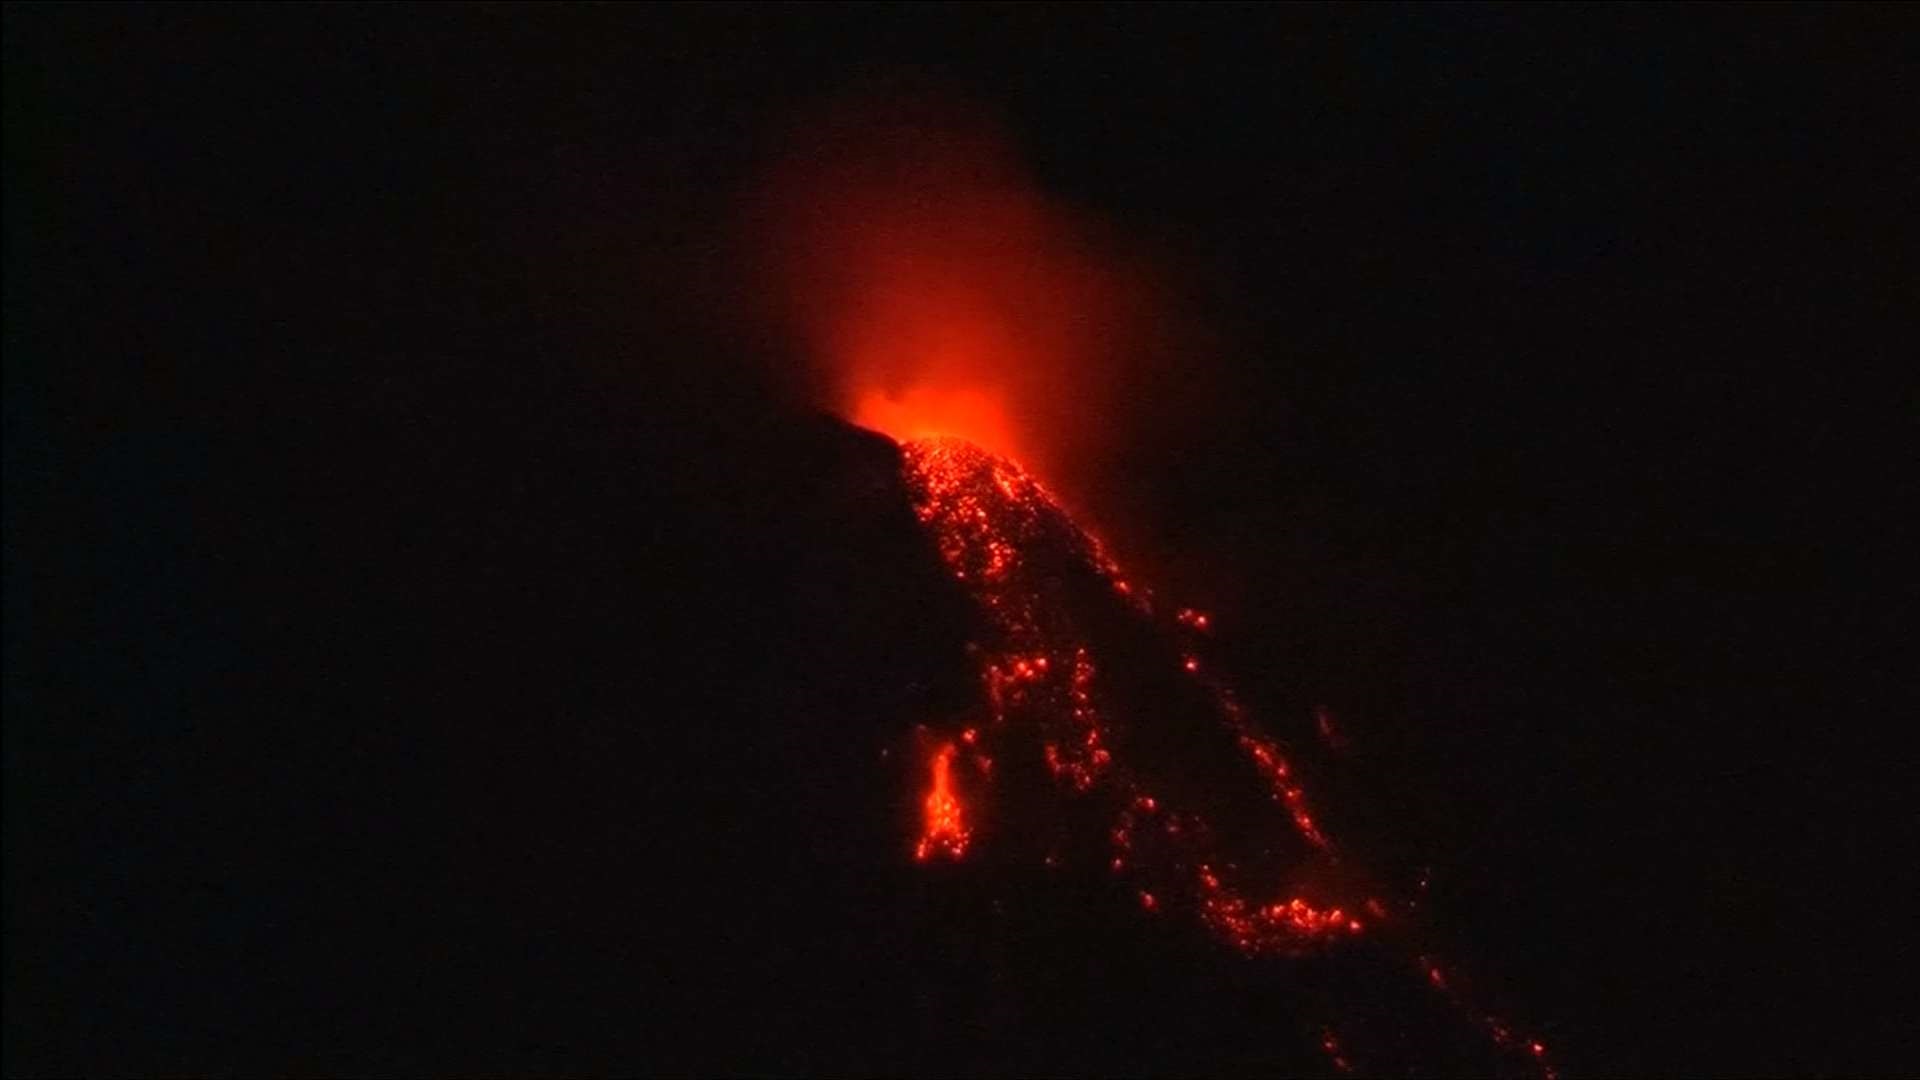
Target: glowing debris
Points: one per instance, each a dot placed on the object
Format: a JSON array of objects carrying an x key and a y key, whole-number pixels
[
  {"x": 994, "y": 527},
  {"x": 1278, "y": 927},
  {"x": 1330, "y": 1043},
  {"x": 1000, "y": 533},
  {"x": 943, "y": 829}
]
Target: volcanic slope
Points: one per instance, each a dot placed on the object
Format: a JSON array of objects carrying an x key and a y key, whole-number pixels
[{"x": 1104, "y": 744}]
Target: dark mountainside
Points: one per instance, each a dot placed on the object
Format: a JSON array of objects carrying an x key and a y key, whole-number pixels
[
  {"x": 440, "y": 639},
  {"x": 566, "y": 761}
]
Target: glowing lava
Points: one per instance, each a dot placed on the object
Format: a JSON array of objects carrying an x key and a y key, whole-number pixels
[
  {"x": 935, "y": 290},
  {"x": 944, "y": 830},
  {"x": 1003, "y": 535},
  {"x": 1043, "y": 583}
]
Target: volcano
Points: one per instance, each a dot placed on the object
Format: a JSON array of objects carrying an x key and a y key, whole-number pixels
[{"x": 1092, "y": 763}]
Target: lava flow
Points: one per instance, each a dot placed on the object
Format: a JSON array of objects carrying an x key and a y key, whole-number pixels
[
  {"x": 1054, "y": 607},
  {"x": 945, "y": 829},
  {"x": 1007, "y": 539}
]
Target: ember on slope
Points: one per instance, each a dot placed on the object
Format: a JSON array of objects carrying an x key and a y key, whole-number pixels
[{"x": 1039, "y": 580}]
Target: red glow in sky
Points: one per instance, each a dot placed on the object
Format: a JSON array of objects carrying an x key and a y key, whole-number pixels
[{"x": 936, "y": 291}]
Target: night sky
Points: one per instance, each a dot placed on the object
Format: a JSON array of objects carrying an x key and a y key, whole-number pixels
[{"x": 447, "y": 630}]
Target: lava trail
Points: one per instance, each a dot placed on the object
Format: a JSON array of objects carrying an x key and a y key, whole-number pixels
[{"x": 1087, "y": 681}]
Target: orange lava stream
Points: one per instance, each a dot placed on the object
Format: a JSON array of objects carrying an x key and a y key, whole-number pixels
[
  {"x": 1011, "y": 544},
  {"x": 989, "y": 519}
]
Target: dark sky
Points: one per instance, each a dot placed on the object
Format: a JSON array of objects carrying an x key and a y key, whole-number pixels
[{"x": 405, "y": 511}]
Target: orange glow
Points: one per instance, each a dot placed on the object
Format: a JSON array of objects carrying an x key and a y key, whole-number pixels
[
  {"x": 943, "y": 829},
  {"x": 924, "y": 412},
  {"x": 937, "y": 291}
]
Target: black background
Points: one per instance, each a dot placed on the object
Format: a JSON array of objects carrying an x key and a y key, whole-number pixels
[{"x": 436, "y": 637}]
